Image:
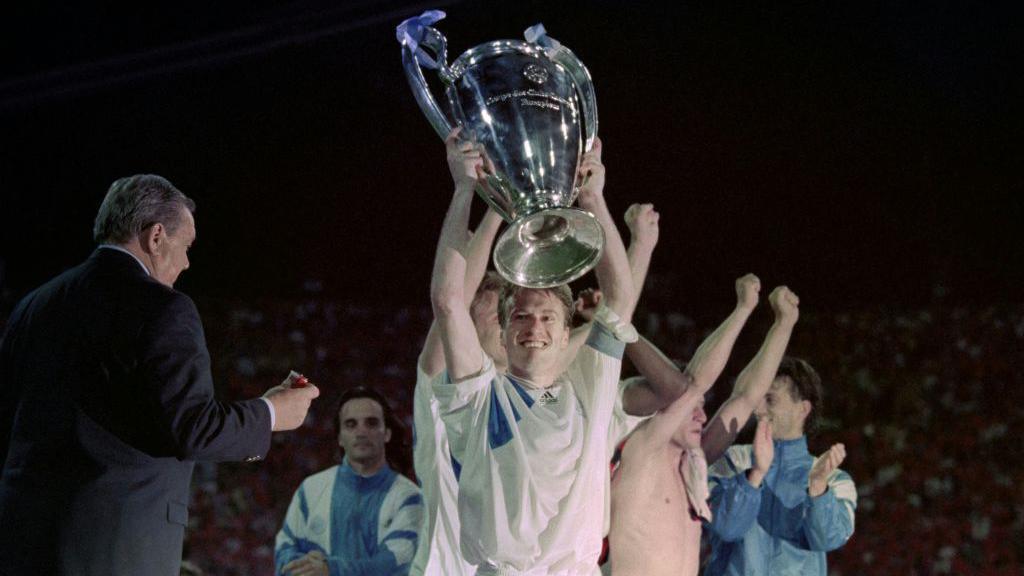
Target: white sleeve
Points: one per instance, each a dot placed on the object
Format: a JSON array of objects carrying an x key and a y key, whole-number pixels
[
  {"x": 292, "y": 530},
  {"x": 623, "y": 424},
  {"x": 595, "y": 371},
  {"x": 401, "y": 521},
  {"x": 463, "y": 405}
]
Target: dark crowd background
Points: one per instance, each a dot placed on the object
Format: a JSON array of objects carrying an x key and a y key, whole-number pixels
[
  {"x": 866, "y": 154},
  {"x": 927, "y": 400}
]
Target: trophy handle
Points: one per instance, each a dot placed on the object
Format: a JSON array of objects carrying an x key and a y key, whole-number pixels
[
  {"x": 584, "y": 87},
  {"x": 435, "y": 42}
]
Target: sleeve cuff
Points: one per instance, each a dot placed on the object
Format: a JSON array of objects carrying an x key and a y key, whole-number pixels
[
  {"x": 623, "y": 331},
  {"x": 602, "y": 340},
  {"x": 823, "y": 497},
  {"x": 744, "y": 484},
  {"x": 273, "y": 415},
  {"x": 447, "y": 391}
]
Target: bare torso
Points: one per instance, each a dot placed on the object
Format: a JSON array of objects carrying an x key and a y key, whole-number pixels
[{"x": 652, "y": 529}]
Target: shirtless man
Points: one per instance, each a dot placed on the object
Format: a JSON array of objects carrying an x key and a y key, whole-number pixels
[{"x": 659, "y": 494}]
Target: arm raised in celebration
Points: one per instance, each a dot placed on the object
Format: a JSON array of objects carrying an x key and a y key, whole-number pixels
[
  {"x": 477, "y": 256},
  {"x": 755, "y": 380},
  {"x": 462, "y": 352},
  {"x": 706, "y": 366},
  {"x": 613, "y": 272}
]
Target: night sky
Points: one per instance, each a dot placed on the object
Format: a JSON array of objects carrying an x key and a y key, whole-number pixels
[{"x": 863, "y": 153}]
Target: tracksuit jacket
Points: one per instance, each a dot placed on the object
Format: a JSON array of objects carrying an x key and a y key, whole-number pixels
[{"x": 777, "y": 529}]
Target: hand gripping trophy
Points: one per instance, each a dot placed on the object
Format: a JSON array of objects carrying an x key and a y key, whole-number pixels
[{"x": 531, "y": 105}]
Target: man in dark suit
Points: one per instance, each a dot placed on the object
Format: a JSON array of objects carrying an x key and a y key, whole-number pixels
[{"x": 106, "y": 401}]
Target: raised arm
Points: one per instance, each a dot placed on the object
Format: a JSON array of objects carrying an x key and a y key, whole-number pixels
[
  {"x": 665, "y": 381},
  {"x": 755, "y": 380},
  {"x": 462, "y": 352},
  {"x": 643, "y": 397},
  {"x": 585, "y": 305},
  {"x": 613, "y": 272},
  {"x": 706, "y": 366},
  {"x": 642, "y": 221},
  {"x": 477, "y": 255}
]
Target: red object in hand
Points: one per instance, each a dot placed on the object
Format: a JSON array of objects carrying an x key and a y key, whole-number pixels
[{"x": 300, "y": 382}]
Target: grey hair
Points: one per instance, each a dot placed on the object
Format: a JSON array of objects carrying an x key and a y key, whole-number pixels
[{"x": 135, "y": 203}]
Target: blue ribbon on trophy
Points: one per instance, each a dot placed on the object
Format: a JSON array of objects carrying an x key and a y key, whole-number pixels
[
  {"x": 410, "y": 33},
  {"x": 536, "y": 34}
]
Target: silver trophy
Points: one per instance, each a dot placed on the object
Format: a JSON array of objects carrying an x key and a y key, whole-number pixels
[{"x": 531, "y": 105}]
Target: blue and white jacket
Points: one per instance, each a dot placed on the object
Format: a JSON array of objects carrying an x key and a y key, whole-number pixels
[
  {"x": 363, "y": 525},
  {"x": 777, "y": 529}
]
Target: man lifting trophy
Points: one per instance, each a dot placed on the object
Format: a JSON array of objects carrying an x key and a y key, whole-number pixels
[{"x": 530, "y": 107}]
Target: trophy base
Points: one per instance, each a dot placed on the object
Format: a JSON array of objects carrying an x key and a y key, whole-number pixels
[{"x": 549, "y": 248}]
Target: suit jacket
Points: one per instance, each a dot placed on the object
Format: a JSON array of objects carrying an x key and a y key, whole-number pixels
[{"x": 106, "y": 400}]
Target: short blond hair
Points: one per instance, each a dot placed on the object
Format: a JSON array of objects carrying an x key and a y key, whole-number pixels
[
  {"x": 510, "y": 292},
  {"x": 492, "y": 282}
]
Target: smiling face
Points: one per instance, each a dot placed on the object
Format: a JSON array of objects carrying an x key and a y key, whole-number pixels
[
  {"x": 784, "y": 410},
  {"x": 363, "y": 432},
  {"x": 535, "y": 333}
]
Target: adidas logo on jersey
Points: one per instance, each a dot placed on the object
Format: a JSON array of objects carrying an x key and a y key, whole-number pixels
[{"x": 547, "y": 398}]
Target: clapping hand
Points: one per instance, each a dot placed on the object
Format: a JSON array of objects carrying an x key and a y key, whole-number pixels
[
  {"x": 764, "y": 452},
  {"x": 824, "y": 466}
]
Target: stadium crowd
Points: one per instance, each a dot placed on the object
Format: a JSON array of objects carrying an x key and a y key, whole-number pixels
[{"x": 928, "y": 402}]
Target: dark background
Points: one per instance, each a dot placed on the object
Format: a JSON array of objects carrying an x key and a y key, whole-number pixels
[
  {"x": 867, "y": 154},
  {"x": 860, "y": 152}
]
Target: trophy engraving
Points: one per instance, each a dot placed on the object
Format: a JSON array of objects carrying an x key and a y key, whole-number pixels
[
  {"x": 531, "y": 105},
  {"x": 535, "y": 73}
]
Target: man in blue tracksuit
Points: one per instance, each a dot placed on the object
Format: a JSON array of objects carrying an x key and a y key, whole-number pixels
[
  {"x": 360, "y": 518},
  {"x": 777, "y": 509}
]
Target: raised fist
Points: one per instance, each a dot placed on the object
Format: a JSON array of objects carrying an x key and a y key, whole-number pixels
[
  {"x": 642, "y": 221},
  {"x": 587, "y": 302},
  {"x": 748, "y": 290},
  {"x": 785, "y": 304}
]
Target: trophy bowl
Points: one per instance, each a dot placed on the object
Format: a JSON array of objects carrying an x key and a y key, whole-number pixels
[{"x": 531, "y": 106}]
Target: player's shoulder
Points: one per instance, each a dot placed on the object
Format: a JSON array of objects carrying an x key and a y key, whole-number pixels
[
  {"x": 403, "y": 494},
  {"x": 318, "y": 480},
  {"x": 403, "y": 485}
]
